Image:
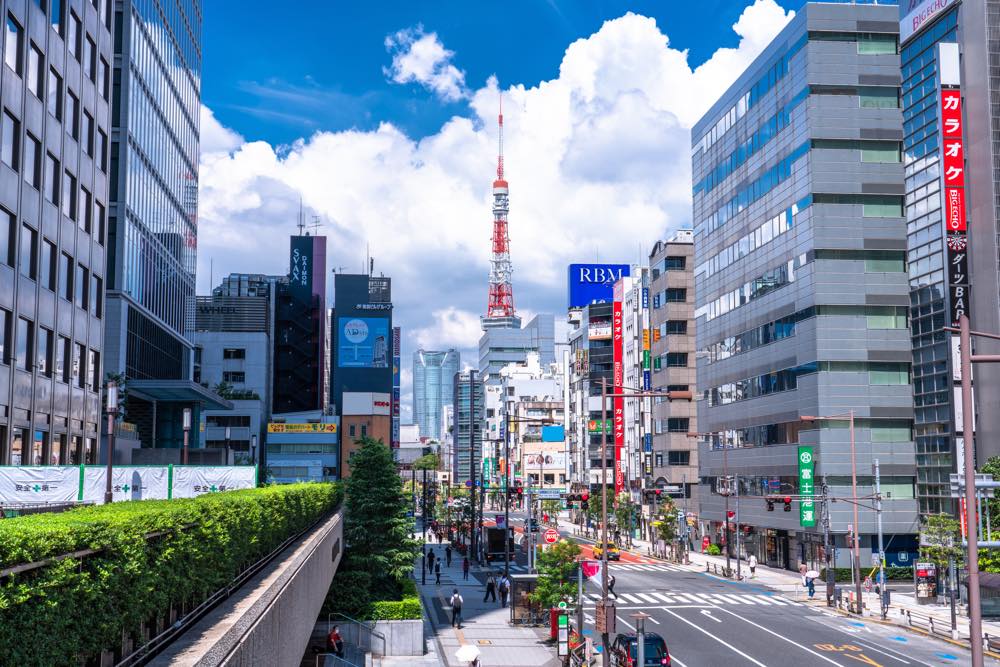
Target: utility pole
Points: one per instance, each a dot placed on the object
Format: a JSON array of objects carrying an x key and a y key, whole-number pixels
[
  {"x": 736, "y": 479},
  {"x": 423, "y": 566},
  {"x": 506, "y": 486},
  {"x": 729, "y": 492},
  {"x": 882, "y": 592},
  {"x": 831, "y": 582},
  {"x": 474, "y": 526},
  {"x": 605, "y": 658},
  {"x": 968, "y": 438}
]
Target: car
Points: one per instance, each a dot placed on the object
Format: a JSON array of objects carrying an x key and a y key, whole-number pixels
[
  {"x": 613, "y": 552},
  {"x": 625, "y": 651}
]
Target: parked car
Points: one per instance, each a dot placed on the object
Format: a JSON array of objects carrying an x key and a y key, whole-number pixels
[
  {"x": 625, "y": 651},
  {"x": 613, "y": 552}
]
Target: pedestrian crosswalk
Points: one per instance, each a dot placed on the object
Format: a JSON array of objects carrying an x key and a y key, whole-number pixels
[
  {"x": 624, "y": 567},
  {"x": 653, "y": 599}
]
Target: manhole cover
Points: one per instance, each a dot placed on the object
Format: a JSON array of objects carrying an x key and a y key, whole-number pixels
[{"x": 483, "y": 642}]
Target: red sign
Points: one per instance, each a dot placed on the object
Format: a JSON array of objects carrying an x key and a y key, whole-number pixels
[
  {"x": 551, "y": 536},
  {"x": 953, "y": 156},
  {"x": 951, "y": 113},
  {"x": 705, "y": 543},
  {"x": 954, "y": 201},
  {"x": 619, "y": 378}
]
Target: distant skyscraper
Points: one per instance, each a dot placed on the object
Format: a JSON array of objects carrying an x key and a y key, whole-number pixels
[
  {"x": 501, "y": 345},
  {"x": 433, "y": 388}
]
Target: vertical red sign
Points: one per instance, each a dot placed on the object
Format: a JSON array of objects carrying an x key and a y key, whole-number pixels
[
  {"x": 617, "y": 331},
  {"x": 955, "y": 221}
]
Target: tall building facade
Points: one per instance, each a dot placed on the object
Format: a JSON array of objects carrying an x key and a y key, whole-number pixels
[
  {"x": 467, "y": 429},
  {"x": 951, "y": 149},
  {"x": 802, "y": 287},
  {"x": 675, "y": 455},
  {"x": 153, "y": 211},
  {"x": 56, "y": 117},
  {"x": 502, "y": 345},
  {"x": 433, "y": 387}
]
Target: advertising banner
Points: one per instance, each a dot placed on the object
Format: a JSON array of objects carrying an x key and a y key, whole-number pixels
[
  {"x": 397, "y": 339},
  {"x": 917, "y": 13},
  {"x": 590, "y": 283},
  {"x": 619, "y": 377},
  {"x": 594, "y": 425},
  {"x": 955, "y": 220},
  {"x": 191, "y": 481},
  {"x": 39, "y": 484},
  {"x": 599, "y": 331},
  {"x": 363, "y": 342},
  {"x": 300, "y": 268},
  {"x": 807, "y": 486},
  {"x": 277, "y": 427},
  {"x": 545, "y": 461},
  {"x": 127, "y": 483}
]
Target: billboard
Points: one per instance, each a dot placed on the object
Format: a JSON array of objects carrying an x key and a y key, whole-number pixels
[
  {"x": 363, "y": 342},
  {"x": 588, "y": 283},
  {"x": 545, "y": 461},
  {"x": 365, "y": 403},
  {"x": 280, "y": 427},
  {"x": 955, "y": 222},
  {"x": 619, "y": 380},
  {"x": 300, "y": 271}
]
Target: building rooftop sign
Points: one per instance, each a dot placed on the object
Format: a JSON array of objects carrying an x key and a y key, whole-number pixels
[
  {"x": 589, "y": 283},
  {"x": 917, "y": 14}
]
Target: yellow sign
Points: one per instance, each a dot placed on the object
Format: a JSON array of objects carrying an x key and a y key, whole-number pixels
[
  {"x": 645, "y": 339},
  {"x": 274, "y": 427}
]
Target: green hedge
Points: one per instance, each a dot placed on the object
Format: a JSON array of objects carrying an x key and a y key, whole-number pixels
[
  {"x": 842, "y": 574},
  {"x": 395, "y": 610},
  {"x": 70, "y": 610}
]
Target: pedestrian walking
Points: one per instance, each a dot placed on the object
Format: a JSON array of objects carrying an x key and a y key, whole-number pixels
[
  {"x": 456, "y": 609},
  {"x": 430, "y": 560},
  {"x": 611, "y": 585},
  {"x": 491, "y": 588},
  {"x": 465, "y": 568},
  {"x": 504, "y": 590},
  {"x": 447, "y": 555},
  {"x": 752, "y": 562},
  {"x": 811, "y": 585},
  {"x": 437, "y": 572}
]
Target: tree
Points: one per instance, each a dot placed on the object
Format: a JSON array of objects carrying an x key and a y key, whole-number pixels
[
  {"x": 666, "y": 515},
  {"x": 556, "y": 567},
  {"x": 551, "y": 507},
  {"x": 426, "y": 462},
  {"x": 941, "y": 540},
  {"x": 377, "y": 530}
]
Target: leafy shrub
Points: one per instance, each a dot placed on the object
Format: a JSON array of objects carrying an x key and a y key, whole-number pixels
[
  {"x": 713, "y": 550},
  {"x": 69, "y": 610},
  {"x": 396, "y": 610},
  {"x": 842, "y": 574},
  {"x": 349, "y": 594}
]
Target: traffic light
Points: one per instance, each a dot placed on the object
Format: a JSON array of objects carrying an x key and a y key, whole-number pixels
[
  {"x": 788, "y": 503},
  {"x": 770, "y": 505},
  {"x": 583, "y": 501},
  {"x": 731, "y": 514}
]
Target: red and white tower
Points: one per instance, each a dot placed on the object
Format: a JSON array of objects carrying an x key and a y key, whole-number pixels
[{"x": 501, "y": 303}]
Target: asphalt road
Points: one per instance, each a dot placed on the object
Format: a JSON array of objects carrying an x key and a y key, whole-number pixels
[{"x": 710, "y": 621}]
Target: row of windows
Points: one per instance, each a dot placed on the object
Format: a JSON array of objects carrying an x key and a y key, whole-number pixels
[
  {"x": 36, "y": 348},
  {"x": 876, "y": 317},
  {"x": 41, "y": 448},
  {"x": 876, "y": 152},
  {"x": 671, "y": 425},
  {"x": 234, "y": 377},
  {"x": 785, "y": 433},
  {"x": 670, "y": 360},
  {"x": 669, "y": 295},
  {"x": 53, "y": 270},
  {"x": 872, "y": 206},
  {"x": 879, "y": 373},
  {"x": 670, "y": 328},
  {"x": 765, "y": 233},
  {"x": 669, "y": 263},
  {"x": 876, "y": 261},
  {"x": 753, "y": 289},
  {"x": 869, "y": 43},
  {"x": 769, "y": 129}
]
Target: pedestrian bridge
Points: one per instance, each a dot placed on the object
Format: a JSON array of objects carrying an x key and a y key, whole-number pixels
[{"x": 269, "y": 618}]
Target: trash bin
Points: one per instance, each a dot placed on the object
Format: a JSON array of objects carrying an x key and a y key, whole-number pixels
[{"x": 554, "y": 622}]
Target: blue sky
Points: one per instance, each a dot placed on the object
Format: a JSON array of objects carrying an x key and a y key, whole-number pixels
[{"x": 319, "y": 65}]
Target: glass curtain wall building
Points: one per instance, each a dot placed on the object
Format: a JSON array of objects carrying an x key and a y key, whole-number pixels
[
  {"x": 433, "y": 388},
  {"x": 55, "y": 120},
  {"x": 951, "y": 213},
  {"x": 801, "y": 286}
]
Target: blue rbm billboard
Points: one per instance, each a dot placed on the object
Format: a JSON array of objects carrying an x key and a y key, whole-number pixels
[{"x": 588, "y": 283}]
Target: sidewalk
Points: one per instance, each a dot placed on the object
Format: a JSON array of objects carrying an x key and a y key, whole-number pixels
[{"x": 484, "y": 624}]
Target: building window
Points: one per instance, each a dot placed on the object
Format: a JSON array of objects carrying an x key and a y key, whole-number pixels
[
  {"x": 47, "y": 265},
  {"x": 678, "y": 387},
  {"x": 678, "y": 425},
  {"x": 58, "y": 18},
  {"x": 364, "y": 430},
  {"x": 102, "y": 153},
  {"x": 877, "y": 44},
  {"x": 10, "y": 141},
  {"x": 69, "y": 195},
  {"x": 82, "y": 286},
  {"x": 678, "y": 458},
  {"x": 237, "y": 377},
  {"x": 96, "y": 296},
  {"x": 44, "y": 351},
  {"x": 889, "y": 374},
  {"x": 89, "y": 58},
  {"x": 62, "y": 359},
  {"x": 352, "y": 430},
  {"x": 79, "y": 356},
  {"x": 234, "y": 353},
  {"x": 676, "y": 327},
  {"x": 104, "y": 78},
  {"x": 99, "y": 220},
  {"x": 674, "y": 264},
  {"x": 7, "y": 238},
  {"x": 881, "y": 152},
  {"x": 885, "y": 261},
  {"x": 36, "y": 71},
  {"x": 73, "y": 38},
  {"x": 889, "y": 207},
  {"x": 32, "y": 161},
  {"x": 871, "y": 97},
  {"x": 675, "y": 295},
  {"x": 94, "y": 369},
  {"x": 14, "y": 45},
  {"x": 88, "y": 133},
  {"x": 29, "y": 252},
  {"x": 23, "y": 344},
  {"x": 659, "y": 459},
  {"x": 5, "y": 336},
  {"x": 677, "y": 359},
  {"x": 73, "y": 114},
  {"x": 86, "y": 210},
  {"x": 66, "y": 277},
  {"x": 55, "y": 94},
  {"x": 52, "y": 175}
]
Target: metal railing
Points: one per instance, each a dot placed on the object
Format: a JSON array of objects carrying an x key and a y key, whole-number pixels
[
  {"x": 332, "y": 660},
  {"x": 358, "y": 633}
]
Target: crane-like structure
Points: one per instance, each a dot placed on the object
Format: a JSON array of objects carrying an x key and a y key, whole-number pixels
[{"x": 501, "y": 301}]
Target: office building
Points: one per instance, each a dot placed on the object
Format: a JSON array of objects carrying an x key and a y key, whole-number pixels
[
  {"x": 467, "y": 429},
  {"x": 53, "y": 202},
  {"x": 636, "y": 357},
  {"x": 949, "y": 84},
  {"x": 802, "y": 290},
  {"x": 502, "y": 345},
  {"x": 675, "y": 455},
  {"x": 363, "y": 414},
  {"x": 302, "y": 446},
  {"x": 591, "y": 363},
  {"x": 433, "y": 384}
]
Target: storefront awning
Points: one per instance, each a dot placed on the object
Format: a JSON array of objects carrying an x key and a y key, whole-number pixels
[{"x": 177, "y": 391}]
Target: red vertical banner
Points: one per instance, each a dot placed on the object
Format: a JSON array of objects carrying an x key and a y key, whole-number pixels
[
  {"x": 619, "y": 377},
  {"x": 955, "y": 219}
]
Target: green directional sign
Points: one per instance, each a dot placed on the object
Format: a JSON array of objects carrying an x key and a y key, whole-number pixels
[{"x": 807, "y": 486}]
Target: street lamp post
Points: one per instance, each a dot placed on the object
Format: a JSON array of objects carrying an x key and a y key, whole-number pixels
[
  {"x": 228, "y": 436},
  {"x": 112, "y": 410},
  {"x": 187, "y": 429},
  {"x": 640, "y": 637},
  {"x": 253, "y": 450},
  {"x": 728, "y": 490}
]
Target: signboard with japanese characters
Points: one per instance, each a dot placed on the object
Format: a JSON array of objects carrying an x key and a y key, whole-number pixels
[
  {"x": 618, "y": 355},
  {"x": 955, "y": 220},
  {"x": 127, "y": 483},
  {"x": 191, "y": 481},
  {"x": 807, "y": 486},
  {"x": 39, "y": 484}
]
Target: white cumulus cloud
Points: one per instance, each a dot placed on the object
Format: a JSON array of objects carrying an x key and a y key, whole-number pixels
[
  {"x": 598, "y": 161},
  {"x": 419, "y": 57}
]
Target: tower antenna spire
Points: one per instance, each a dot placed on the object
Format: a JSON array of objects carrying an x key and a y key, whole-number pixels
[{"x": 501, "y": 301}]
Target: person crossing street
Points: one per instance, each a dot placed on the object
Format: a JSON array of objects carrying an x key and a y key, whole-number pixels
[
  {"x": 447, "y": 555},
  {"x": 491, "y": 588}
]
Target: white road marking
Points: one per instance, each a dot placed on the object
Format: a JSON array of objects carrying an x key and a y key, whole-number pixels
[
  {"x": 724, "y": 643},
  {"x": 706, "y": 612},
  {"x": 662, "y": 597},
  {"x": 648, "y": 598},
  {"x": 631, "y": 598},
  {"x": 782, "y": 637},
  {"x": 623, "y": 621},
  {"x": 888, "y": 655}
]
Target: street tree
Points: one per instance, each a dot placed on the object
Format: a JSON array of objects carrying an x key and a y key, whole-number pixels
[
  {"x": 940, "y": 540},
  {"x": 556, "y": 570},
  {"x": 666, "y": 519}
]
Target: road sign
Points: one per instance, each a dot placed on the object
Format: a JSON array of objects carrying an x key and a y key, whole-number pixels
[
  {"x": 563, "y": 632},
  {"x": 551, "y": 536},
  {"x": 501, "y": 521},
  {"x": 468, "y": 483},
  {"x": 604, "y": 617}
]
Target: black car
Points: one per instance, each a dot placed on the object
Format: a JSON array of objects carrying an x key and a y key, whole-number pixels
[{"x": 625, "y": 651}]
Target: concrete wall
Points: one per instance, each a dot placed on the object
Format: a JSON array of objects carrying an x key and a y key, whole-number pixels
[{"x": 268, "y": 621}]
